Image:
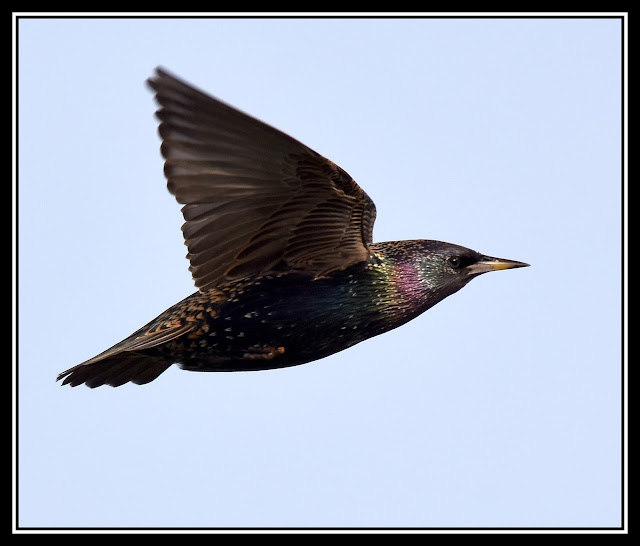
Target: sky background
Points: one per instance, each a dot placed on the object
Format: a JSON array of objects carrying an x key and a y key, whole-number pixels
[{"x": 499, "y": 407}]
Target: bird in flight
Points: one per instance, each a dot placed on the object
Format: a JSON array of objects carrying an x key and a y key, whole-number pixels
[{"x": 280, "y": 249}]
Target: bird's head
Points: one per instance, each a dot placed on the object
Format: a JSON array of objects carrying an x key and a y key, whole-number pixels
[{"x": 432, "y": 270}]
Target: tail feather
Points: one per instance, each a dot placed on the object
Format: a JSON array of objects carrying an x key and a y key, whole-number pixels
[{"x": 115, "y": 370}]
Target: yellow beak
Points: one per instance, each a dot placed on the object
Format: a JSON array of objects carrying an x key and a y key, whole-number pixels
[{"x": 489, "y": 263}]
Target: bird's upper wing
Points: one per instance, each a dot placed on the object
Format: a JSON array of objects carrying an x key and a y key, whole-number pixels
[{"x": 254, "y": 198}]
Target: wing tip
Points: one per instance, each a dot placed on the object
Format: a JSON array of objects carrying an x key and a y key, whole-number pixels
[{"x": 159, "y": 74}]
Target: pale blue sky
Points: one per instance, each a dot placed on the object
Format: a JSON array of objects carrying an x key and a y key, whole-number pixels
[{"x": 500, "y": 407}]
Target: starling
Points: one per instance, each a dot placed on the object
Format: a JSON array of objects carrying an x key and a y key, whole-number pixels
[{"x": 280, "y": 248}]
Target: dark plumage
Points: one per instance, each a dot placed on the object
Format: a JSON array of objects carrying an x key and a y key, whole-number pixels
[{"x": 280, "y": 247}]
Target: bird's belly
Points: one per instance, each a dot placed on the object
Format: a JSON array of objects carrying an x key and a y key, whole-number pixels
[{"x": 280, "y": 324}]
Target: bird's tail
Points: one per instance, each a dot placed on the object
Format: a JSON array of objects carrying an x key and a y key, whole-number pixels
[
  {"x": 135, "y": 358},
  {"x": 115, "y": 370}
]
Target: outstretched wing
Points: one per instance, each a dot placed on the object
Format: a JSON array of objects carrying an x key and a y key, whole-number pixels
[{"x": 254, "y": 198}]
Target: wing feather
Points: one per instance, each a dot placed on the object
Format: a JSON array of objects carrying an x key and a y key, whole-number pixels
[{"x": 254, "y": 198}]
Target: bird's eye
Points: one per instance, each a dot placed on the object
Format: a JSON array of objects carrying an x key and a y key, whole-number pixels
[{"x": 454, "y": 261}]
